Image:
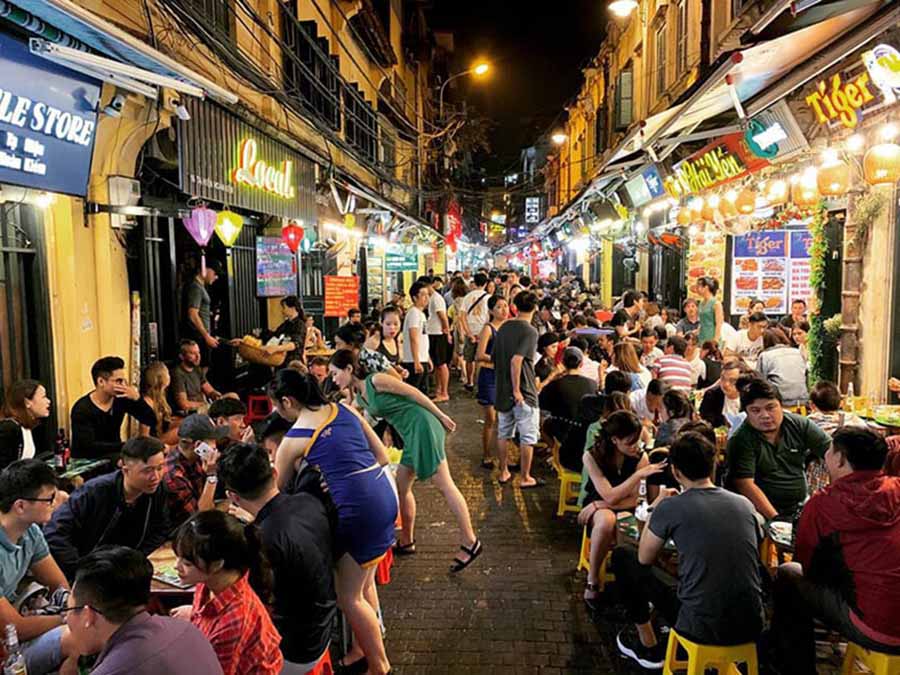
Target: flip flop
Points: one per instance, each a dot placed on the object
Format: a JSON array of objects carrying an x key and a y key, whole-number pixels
[
  {"x": 459, "y": 565},
  {"x": 539, "y": 482},
  {"x": 487, "y": 465},
  {"x": 504, "y": 482},
  {"x": 405, "y": 549}
]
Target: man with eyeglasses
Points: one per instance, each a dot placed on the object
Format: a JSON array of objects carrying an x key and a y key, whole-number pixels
[
  {"x": 27, "y": 494},
  {"x": 97, "y": 416},
  {"x": 107, "y": 615},
  {"x": 124, "y": 508}
]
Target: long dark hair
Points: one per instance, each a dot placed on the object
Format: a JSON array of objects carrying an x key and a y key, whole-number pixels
[
  {"x": 14, "y": 404},
  {"x": 288, "y": 383},
  {"x": 209, "y": 536},
  {"x": 347, "y": 357},
  {"x": 619, "y": 424}
]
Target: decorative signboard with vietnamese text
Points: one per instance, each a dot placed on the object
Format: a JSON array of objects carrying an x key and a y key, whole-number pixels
[
  {"x": 276, "y": 268},
  {"x": 48, "y": 122},
  {"x": 724, "y": 160},
  {"x": 705, "y": 258},
  {"x": 772, "y": 266},
  {"x": 225, "y": 160},
  {"x": 401, "y": 259},
  {"x": 341, "y": 294}
]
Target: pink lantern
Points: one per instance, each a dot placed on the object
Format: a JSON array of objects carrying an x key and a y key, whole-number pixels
[{"x": 200, "y": 225}]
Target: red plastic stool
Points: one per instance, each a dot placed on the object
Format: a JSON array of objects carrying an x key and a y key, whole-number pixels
[
  {"x": 383, "y": 571},
  {"x": 258, "y": 408},
  {"x": 323, "y": 667}
]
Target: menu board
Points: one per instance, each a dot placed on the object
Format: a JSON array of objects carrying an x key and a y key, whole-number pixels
[
  {"x": 401, "y": 259},
  {"x": 276, "y": 271},
  {"x": 705, "y": 258},
  {"x": 772, "y": 266},
  {"x": 341, "y": 294},
  {"x": 800, "y": 288},
  {"x": 375, "y": 278}
]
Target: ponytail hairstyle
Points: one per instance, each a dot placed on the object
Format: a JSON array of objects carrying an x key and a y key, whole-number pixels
[
  {"x": 288, "y": 383},
  {"x": 619, "y": 424},
  {"x": 211, "y": 536},
  {"x": 347, "y": 357}
]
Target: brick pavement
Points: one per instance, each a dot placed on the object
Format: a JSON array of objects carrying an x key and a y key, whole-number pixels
[{"x": 518, "y": 609}]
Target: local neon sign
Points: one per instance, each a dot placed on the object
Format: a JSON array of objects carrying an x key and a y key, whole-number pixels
[{"x": 256, "y": 173}]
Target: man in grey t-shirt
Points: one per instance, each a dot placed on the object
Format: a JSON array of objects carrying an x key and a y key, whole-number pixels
[
  {"x": 719, "y": 591},
  {"x": 516, "y": 399},
  {"x": 197, "y": 306}
]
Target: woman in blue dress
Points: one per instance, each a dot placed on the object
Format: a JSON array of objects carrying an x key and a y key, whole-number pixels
[
  {"x": 487, "y": 381},
  {"x": 336, "y": 439}
]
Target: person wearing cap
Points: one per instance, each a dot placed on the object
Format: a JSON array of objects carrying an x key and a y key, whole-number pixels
[
  {"x": 123, "y": 508},
  {"x": 191, "y": 476},
  {"x": 198, "y": 305},
  {"x": 229, "y": 412},
  {"x": 562, "y": 400}
]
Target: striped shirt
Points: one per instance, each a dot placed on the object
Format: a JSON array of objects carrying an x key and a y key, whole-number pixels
[{"x": 675, "y": 371}]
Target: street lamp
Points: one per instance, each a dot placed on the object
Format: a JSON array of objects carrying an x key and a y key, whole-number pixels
[
  {"x": 623, "y": 8},
  {"x": 478, "y": 69},
  {"x": 559, "y": 137}
]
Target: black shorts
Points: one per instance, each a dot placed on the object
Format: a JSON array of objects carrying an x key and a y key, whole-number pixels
[{"x": 439, "y": 350}]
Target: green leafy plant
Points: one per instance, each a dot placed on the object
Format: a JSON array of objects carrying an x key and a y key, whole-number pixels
[
  {"x": 818, "y": 250},
  {"x": 832, "y": 326},
  {"x": 867, "y": 209}
]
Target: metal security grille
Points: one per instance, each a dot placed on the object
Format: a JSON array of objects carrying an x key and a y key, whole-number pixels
[
  {"x": 156, "y": 261},
  {"x": 25, "y": 338},
  {"x": 246, "y": 313}
]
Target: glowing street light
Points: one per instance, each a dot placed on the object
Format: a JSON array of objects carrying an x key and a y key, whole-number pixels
[
  {"x": 479, "y": 69},
  {"x": 623, "y": 8},
  {"x": 559, "y": 137}
]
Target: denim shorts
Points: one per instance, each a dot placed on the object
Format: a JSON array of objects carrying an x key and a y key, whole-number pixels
[
  {"x": 43, "y": 654},
  {"x": 524, "y": 419}
]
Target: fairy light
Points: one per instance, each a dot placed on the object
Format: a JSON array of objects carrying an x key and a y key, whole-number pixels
[
  {"x": 888, "y": 131},
  {"x": 856, "y": 143}
]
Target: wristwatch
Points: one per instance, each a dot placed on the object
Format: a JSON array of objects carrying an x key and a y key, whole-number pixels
[{"x": 213, "y": 479}]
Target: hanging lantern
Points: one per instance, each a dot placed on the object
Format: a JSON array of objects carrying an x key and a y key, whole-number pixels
[
  {"x": 200, "y": 224},
  {"x": 777, "y": 192},
  {"x": 882, "y": 164},
  {"x": 683, "y": 217},
  {"x": 292, "y": 235},
  {"x": 228, "y": 227},
  {"x": 833, "y": 179},
  {"x": 696, "y": 207},
  {"x": 708, "y": 212},
  {"x": 746, "y": 202},
  {"x": 805, "y": 191}
]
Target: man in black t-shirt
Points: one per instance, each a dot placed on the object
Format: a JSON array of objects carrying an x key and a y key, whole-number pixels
[
  {"x": 297, "y": 535},
  {"x": 625, "y": 319},
  {"x": 718, "y": 598}
]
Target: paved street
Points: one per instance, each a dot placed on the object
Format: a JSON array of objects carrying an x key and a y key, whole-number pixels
[{"x": 518, "y": 609}]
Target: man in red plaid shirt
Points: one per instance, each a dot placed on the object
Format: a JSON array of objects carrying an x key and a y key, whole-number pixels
[{"x": 190, "y": 476}]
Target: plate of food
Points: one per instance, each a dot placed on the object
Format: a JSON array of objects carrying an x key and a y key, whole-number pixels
[
  {"x": 773, "y": 265},
  {"x": 772, "y": 283},
  {"x": 746, "y": 283},
  {"x": 748, "y": 265},
  {"x": 888, "y": 415}
]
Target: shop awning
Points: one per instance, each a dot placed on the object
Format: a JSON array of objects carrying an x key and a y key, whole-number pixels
[
  {"x": 111, "y": 42},
  {"x": 749, "y": 72}
]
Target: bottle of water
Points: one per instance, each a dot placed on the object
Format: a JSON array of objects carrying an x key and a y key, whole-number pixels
[
  {"x": 15, "y": 659},
  {"x": 851, "y": 399}
]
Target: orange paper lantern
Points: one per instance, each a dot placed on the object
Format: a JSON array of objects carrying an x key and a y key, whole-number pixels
[
  {"x": 882, "y": 164},
  {"x": 696, "y": 207},
  {"x": 684, "y": 216},
  {"x": 833, "y": 180},
  {"x": 746, "y": 202},
  {"x": 777, "y": 192},
  {"x": 804, "y": 194},
  {"x": 726, "y": 204}
]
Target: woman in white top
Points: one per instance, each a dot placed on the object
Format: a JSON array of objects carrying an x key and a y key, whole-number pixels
[{"x": 25, "y": 406}]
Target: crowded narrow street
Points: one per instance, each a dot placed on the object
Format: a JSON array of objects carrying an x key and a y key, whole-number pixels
[{"x": 519, "y": 610}]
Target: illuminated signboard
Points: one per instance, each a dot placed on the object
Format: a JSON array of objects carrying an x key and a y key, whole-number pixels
[
  {"x": 48, "y": 122},
  {"x": 883, "y": 64},
  {"x": 257, "y": 173},
  {"x": 722, "y": 161}
]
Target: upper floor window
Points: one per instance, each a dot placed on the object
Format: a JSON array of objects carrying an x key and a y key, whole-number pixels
[
  {"x": 736, "y": 7},
  {"x": 625, "y": 97},
  {"x": 600, "y": 131},
  {"x": 661, "y": 48},
  {"x": 214, "y": 14},
  {"x": 681, "y": 40}
]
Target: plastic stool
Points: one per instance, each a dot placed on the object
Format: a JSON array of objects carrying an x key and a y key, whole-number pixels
[
  {"x": 569, "y": 485},
  {"x": 876, "y": 662},
  {"x": 383, "y": 571},
  {"x": 323, "y": 667},
  {"x": 258, "y": 408},
  {"x": 584, "y": 562},
  {"x": 701, "y": 657}
]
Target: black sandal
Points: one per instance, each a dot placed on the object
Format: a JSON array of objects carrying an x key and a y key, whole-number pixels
[
  {"x": 358, "y": 667},
  {"x": 459, "y": 565},
  {"x": 405, "y": 549},
  {"x": 591, "y": 603}
]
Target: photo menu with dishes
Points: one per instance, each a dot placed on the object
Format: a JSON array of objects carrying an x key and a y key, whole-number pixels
[{"x": 772, "y": 266}]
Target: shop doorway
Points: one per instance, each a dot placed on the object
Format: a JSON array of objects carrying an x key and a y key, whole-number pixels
[{"x": 26, "y": 350}]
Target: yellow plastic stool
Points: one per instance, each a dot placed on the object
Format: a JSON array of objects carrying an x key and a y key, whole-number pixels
[
  {"x": 584, "y": 562},
  {"x": 876, "y": 662},
  {"x": 569, "y": 485},
  {"x": 701, "y": 657}
]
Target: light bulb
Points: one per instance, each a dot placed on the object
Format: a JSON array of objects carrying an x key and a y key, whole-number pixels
[
  {"x": 829, "y": 157},
  {"x": 731, "y": 196},
  {"x": 713, "y": 201},
  {"x": 856, "y": 143},
  {"x": 888, "y": 131},
  {"x": 693, "y": 230}
]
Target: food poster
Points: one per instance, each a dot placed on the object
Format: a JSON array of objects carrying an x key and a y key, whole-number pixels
[
  {"x": 705, "y": 258},
  {"x": 760, "y": 270},
  {"x": 800, "y": 242}
]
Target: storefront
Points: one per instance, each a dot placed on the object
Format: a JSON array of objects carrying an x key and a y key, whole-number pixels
[
  {"x": 222, "y": 190},
  {"x": 48, "y": 125}
]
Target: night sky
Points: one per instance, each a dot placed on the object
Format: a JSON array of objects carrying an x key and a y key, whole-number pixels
[{"x": 536, "y": 57}]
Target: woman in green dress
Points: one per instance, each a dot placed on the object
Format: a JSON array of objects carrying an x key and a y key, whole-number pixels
[
  {"x": 422, "y": 426},
  {"x": 711, "y": 313}
]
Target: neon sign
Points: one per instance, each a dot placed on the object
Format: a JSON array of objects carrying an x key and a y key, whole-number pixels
[
  {"x": 258, "y": 174},
  {"x": 722, "y": 161},
  {"x": 843, "y": 100}
]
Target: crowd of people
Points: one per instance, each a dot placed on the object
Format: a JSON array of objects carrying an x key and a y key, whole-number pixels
[{"x": 706, "y": 433}]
